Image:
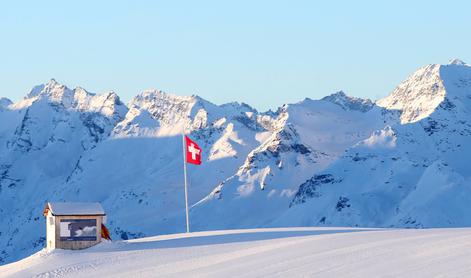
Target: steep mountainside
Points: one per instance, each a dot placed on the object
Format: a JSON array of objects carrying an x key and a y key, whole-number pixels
[
  {"x": 401, "y": 161},
  {"x": 418, "y": 171},
  {"x": 309, "y": 136}
]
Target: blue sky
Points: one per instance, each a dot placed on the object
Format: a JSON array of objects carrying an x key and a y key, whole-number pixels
[{"x": 264, "y": 53}]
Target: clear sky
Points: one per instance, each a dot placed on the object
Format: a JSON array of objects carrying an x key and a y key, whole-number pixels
[{"x": 264, "y": 53}]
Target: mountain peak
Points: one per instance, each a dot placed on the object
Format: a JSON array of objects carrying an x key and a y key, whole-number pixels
[
  {"x": 5, "y": 102},
  {"x": 340, "y": 94},
  {"x": 457, "y": 62},
  {"x": 426, "y": 89},
  {"x": 52, "y": 82},
  {"x": 349, "y": 103},
  {"x": 155, "y": 94},
  {"x": 46, "y": 88},
  {"x": 107, "y": 104},
  {"x": 418, "y": 96}
]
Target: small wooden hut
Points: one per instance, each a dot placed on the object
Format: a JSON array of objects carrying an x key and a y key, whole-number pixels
[{"x": 73, "y": 225}]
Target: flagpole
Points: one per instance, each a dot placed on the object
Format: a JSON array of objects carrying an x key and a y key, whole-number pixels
[{"x": 186, "y": 190}]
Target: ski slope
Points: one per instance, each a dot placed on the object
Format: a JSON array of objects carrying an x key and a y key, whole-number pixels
[{"x": 283, "y": 252}]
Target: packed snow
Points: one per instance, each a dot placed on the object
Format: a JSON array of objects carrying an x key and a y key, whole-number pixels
[{"x": 286, "y": 252}]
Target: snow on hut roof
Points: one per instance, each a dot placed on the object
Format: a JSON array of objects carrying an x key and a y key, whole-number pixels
[{"x": 74, "y": 208}]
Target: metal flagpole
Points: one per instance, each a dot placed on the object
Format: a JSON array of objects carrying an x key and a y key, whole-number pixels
[{"x": 186, "y": 190}]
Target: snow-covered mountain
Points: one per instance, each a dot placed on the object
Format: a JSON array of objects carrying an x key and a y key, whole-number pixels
[
  {"x": 401, "y": 161},
  {"x": 410, "y": 173}
]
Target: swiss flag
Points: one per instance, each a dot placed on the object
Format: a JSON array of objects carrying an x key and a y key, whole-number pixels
[{"x": 193, "y": 151}]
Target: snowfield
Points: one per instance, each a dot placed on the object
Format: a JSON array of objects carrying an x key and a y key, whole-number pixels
[{"x": 282, "y": 252}]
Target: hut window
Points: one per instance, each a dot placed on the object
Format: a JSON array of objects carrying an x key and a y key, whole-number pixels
[{"x": 51, "y": 220}]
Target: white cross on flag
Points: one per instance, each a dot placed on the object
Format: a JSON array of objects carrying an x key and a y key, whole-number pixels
[{"x": 193, "y": 152}]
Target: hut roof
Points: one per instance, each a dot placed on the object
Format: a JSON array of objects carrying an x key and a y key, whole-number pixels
[{"x": 59, "y": 209}]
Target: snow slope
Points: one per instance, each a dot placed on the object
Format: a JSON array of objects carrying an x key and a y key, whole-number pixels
[{"x": 288, "y": 252}]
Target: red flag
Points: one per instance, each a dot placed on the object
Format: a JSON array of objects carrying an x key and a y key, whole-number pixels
[{"x": 193, "y": 152}]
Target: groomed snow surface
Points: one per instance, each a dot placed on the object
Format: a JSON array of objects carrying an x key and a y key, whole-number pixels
[{"x": 284, "y": 252}]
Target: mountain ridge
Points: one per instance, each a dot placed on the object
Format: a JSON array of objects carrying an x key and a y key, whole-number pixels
[{"x": 305, "y": 164}]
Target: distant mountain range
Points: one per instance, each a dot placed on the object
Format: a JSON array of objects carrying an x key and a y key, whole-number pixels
[{"x": 401, "y": 161}]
